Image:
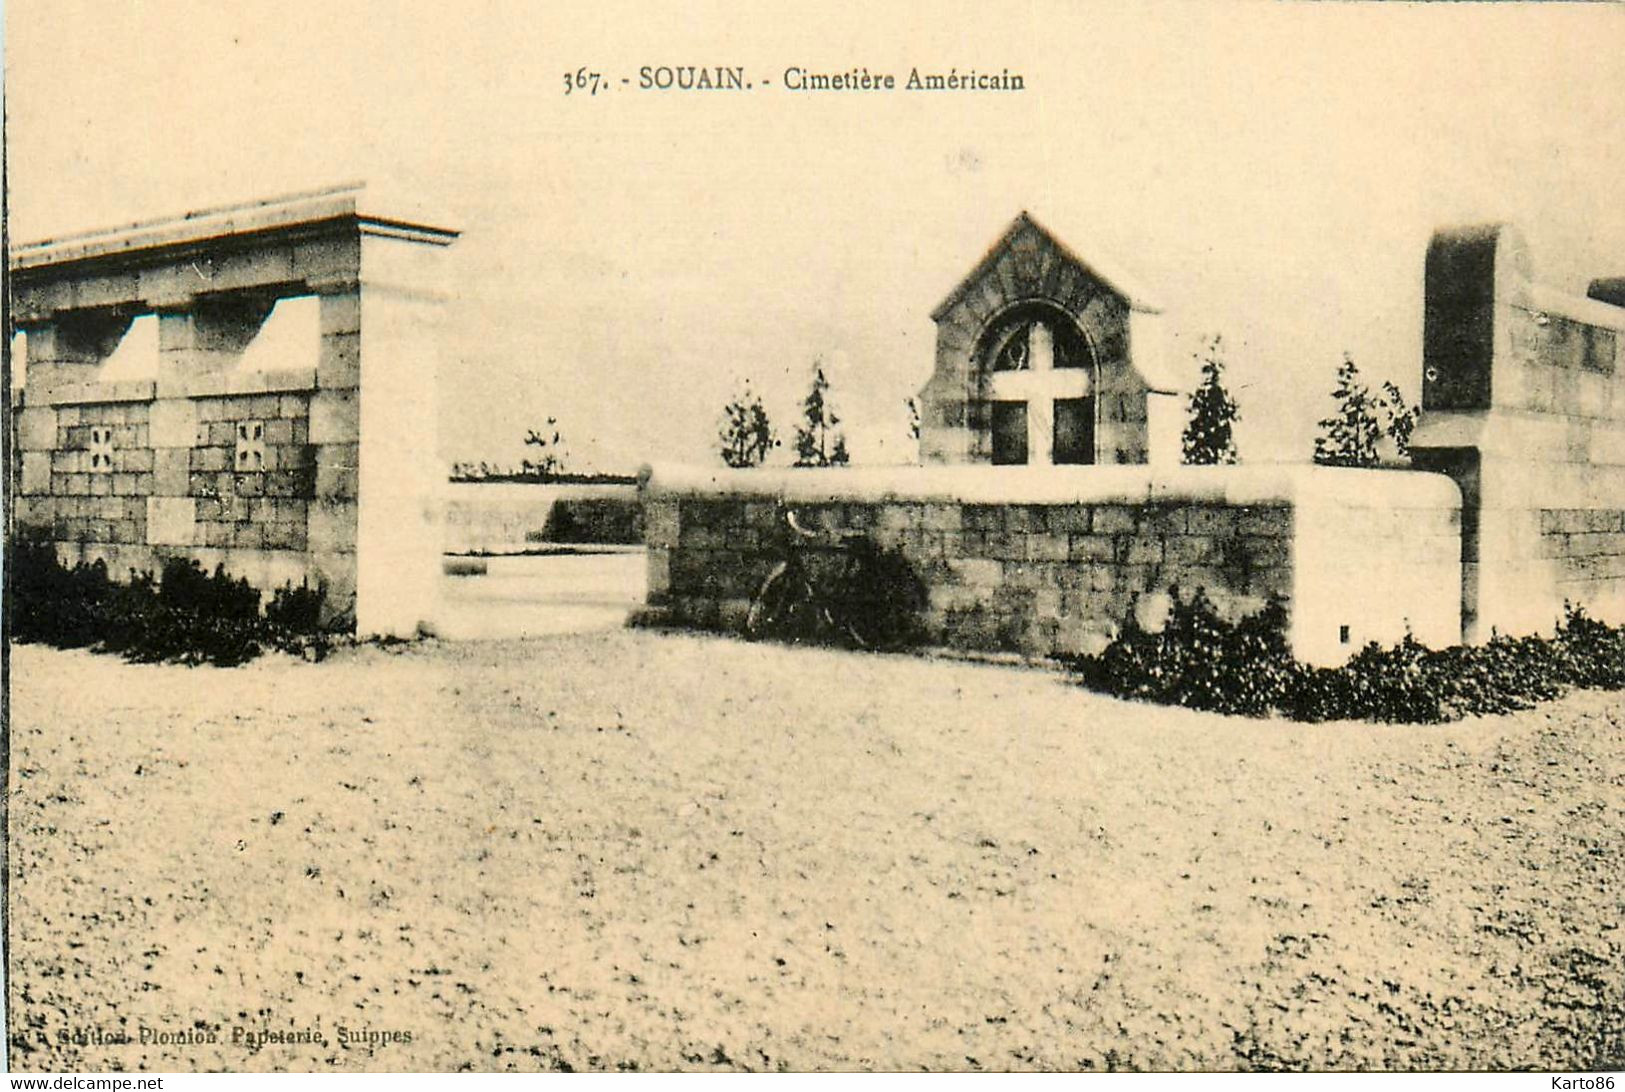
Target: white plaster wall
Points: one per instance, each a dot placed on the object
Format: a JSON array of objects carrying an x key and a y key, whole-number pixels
[{"x": 1376, "y": 554}]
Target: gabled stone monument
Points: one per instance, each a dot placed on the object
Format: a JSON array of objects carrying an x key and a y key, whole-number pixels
[
  {"x": 320, "y": 469},
  {"x": 1045, "y": 359}
]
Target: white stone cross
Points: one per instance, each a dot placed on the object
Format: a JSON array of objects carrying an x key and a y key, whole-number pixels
[{"x": 1040, "y": 384}]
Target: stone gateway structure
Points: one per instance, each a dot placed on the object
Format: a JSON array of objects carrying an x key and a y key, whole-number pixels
[
  {"x": 1523, "y": 398},
  {"x": 319, "y": 467},
  {"x": 1044, "y": 359}
]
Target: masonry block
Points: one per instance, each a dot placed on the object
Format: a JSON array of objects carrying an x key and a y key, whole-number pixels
[
  {"x": 1112, "y": 519},
  {"x": 659, "y": 575},
  {"x": 210, "y": 460},
  {"x": 1043, "y": 546},
  {"x": 328, "y": 261},
  {"x": 171, "y": 521},
  {"x": 1091, "y": 548},
  {"x": 660, "y": 521},
  {"x": 1273, "y": 521},
  {"x": 36, "y": 428},
  {"x": 335, "y": 417},
  {"x": 1139, "y": 549},
  {"x": 337, "y": 471},
  {"x": 36, "y": 473},
  {"x": 338, "y": 364},
  {"x": 1191, "y": 549},
  {"x": 333, "y": 525},
  {"x": 340, "y": 313}
]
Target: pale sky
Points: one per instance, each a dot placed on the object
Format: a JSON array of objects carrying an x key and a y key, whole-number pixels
[{"x": 1268, "y": 172}]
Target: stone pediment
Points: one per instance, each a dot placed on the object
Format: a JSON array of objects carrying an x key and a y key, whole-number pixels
[{"x": 1029, "y": 262}]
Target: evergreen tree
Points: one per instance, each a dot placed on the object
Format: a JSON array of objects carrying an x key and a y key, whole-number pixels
[
  {"x": 1349, "y": 437},
  {"x": 1210, "y": 433},
  {"x": 818, "y": 441},
  {"x": 746, "y": 435}
]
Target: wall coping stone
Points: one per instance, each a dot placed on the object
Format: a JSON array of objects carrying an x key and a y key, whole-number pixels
[
  {"x": 1591, "y": 312},
  {"x": 271, "y": 214},
  {"x": 1297, "y": 484}
]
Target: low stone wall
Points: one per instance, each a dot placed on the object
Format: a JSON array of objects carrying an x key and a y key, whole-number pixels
[{"x": 1051, "y": 560}]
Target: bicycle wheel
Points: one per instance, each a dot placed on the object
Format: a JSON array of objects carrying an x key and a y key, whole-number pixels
[
  {"x": 783, "y": 608},
  {"x": 878, "y": 599},
  {"x": 856, "y": 619}
]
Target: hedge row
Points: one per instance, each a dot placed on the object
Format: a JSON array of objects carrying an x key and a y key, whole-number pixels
[
  {"x": 1201, "y": 661},
  {"x": 185, "y": 616}
]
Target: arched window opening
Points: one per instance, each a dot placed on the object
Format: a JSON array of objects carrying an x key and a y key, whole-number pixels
[{"x": 1041, "y": 379}]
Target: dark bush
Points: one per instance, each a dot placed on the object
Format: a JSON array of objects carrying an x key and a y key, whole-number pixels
[
  {"x": 297, "y": 609},
  {"x": 188, "y": 617},
  {"x": 583, "y": 521},
  {"x": 1192, "y": 661},
  {"x": 1204, "y": 662}
]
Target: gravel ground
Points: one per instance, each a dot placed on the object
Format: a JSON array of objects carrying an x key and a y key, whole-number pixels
[{"x": 641, "y": 850}]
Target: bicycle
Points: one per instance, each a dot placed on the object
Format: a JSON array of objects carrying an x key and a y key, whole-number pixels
[{"x": 835, "y": 587}]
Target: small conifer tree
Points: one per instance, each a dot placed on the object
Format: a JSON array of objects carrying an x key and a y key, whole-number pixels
[
  {"x": 1210, "y": 433},
  {"x": 818, "y": 439},
  {"x": 1349, "y": 436},
  {"x": 746, "y": 435},
  {"x": 1401, "y": 418}
]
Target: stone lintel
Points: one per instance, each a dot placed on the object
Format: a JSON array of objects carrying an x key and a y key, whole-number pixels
[
  {"x": 221, "y": 384},
  {"x": 73, "y": 394}
]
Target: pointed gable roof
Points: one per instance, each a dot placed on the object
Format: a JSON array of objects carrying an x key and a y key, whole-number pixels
[{"x": 1107, "y": 273}]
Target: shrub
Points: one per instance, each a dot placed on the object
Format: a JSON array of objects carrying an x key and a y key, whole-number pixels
[
  {"x": 1192, "y": 661},
  {"x": 188, "y": 617},
  {"x": 1201, "y": 661}
]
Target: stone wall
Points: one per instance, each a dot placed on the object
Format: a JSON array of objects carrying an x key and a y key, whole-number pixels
[
  {"x": 319, "y": 469},
  {"x": 1052, "y": 561},
  {"x": 1523, "y": 400},
  {"x": 111, "y": 473}
]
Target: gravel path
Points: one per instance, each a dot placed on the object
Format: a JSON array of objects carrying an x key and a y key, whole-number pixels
[{"x": 633, "y": 849}]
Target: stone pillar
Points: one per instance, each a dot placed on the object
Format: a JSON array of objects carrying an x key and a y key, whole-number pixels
[
  {"x": 335, "y": 433},
  {"x": 396, "y": 411},
  {"x": 69, "y": 348}
]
